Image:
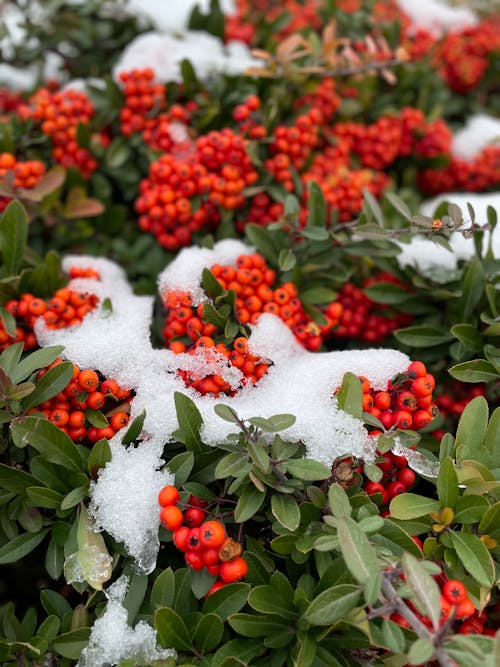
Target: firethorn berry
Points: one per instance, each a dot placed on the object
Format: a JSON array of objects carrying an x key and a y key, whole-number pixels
[
  {"x": 211, "y": 556},
  {"x": 193, "y": 539},
  {"x": 233, "y": 570},
  {"x": 169, "y": 495},
  {"x": 372, "y": 488},
  {"x": 395, "y": 489},
  {"x": 171, "y": 517},
  {"x": 216, "y": 586},
  {"x": 180, "y": 538},
  {"x": 88, "y": 380},
  {"x": 464, "y": 609},
  {"x": 454, "y": 591},
  {"x": 406, "y": 476},
  {"x": 119, "y": 420},
  {"x": 194, "y": 559},
  {"x": 212, "y": 534},
  {"x": 214, "y": 570},
  {"x": 194, "y": 517}
]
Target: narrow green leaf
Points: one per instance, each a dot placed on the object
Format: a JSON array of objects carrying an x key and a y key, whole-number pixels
[
  {"x": 475, "y": 557},
  {"x": 71, "y": 644},
  {"x": 162, "y": 593},
  {"x": 135, "y": 429},
  {"x": 249, "y": 503},
  {"x": 226, "y": 601},
  {"x": 190, "y": 422},
  {"x": 54, "y": 381},
  {"x": 34, "y": 361},
  {"x": 477, "y": 370},
  {"x": 339, "y": 501},
  {"x": 472, "y": 428},
  {"x": 350, "y": 395},
  {"x": 360, "y": 557},
  {"x": 285, "y": 510},
  {"x": 423, "y": 335},
  {"x": 13, "y": 236},
  {"x": 21, "y": 546},
  {"x": 333, "y": 604},
  {"x": 13, "y": 479},
  {"x": 50, "y": 441},
  {"x": 412, "y": 506},
  {"x": 447, "y": 483},
  {"x": 425, "y": 591},
  {"x": 208, "y": 633},
  {"x": 39, "y": 496},
  {"x": 171, "y": 629}
]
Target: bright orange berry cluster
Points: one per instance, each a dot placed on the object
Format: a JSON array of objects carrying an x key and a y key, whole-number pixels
[
  {"x": 324, "y": 98},
  {"x": 407, "y": 402},
  {"x": 203, "y": 542},
  {"x": 244, "y": 114},
  {"x": 296, "y": 143},
  {"x": 142, "y": 96},
  {"x": 60, "y": 113},
  {"x": 25, "y": 174},
  {"x": 86, "y": 391}
]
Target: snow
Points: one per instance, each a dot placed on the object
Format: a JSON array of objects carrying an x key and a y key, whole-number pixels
[
  {"x": 437, "y": 16},
  {"x": 479, "y": 131},
  {"x": 113, "y": 640},
  {"x": 164, "y": 53},
  {"x": 116, "y": 342},
  {"x": 173, "y": 15},
  {"x": 439, "y": 263}
]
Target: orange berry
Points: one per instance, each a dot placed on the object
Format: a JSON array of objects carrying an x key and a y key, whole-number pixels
[
  {"x": 171, "y": 517},
  {"x": 169, "y": 495}
]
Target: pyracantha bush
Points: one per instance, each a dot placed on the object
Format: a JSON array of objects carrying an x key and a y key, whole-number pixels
[{"x": 248, "y": 376}]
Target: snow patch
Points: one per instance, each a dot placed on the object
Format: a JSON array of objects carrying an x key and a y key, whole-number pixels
[
  {"x": 437, "y": 16},
  {"x": 479, "y": 131}
]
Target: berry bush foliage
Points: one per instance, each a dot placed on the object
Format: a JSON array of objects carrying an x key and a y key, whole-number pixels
[{"x": 249, "y": 374}]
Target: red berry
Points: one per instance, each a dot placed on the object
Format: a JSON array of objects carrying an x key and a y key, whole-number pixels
[
  {"x": 169, "y": 495},
  {"x": 171, "y": 517},
  {"x": 181, "y": 538},
  {"x": 233, "y": 570},
  {"x": 454, "y": 591},
  {"x": 212, "y": 534},
  {"x": 406, "y": 476},
  {"x": 193, "y": 517}
]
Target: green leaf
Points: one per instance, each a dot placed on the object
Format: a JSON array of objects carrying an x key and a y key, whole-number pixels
[
  {"x": 50, "y": 441},
  {"x": 54, "y": 603},
  {"x": 472, "y": 288},
  {"x": 306, "y": 649},
  {"x": 316, "y": 206},
  {"x": 210, "y": 284},
  {"x": 21, "y": 546},
  {"x": 9, "y": 358},
  {"x": 201, "y": 582},
  {"x": 350, "y": 395},
  {"x": 426, "y": 594},
  {"x": 190, "y": 422},
  {"x": 468, "y": 335},
  {"x": 285, "y": 510},
  {"x": 490, "y": 522},
  {"x": 286, "y": 260},
  {"x": 471, "y": 509},
  {"x": 8, "y": 322},
  {"x": 386, "y": 293},
  {"x": 55, "y": 380},
  {"x": 491, "y": 443},
  {"x": 135, "y": 429},
  {"x": 472, "y": 428},
  {"x": 339, "y": 501},
  {"x": 307, "y": 469},
  {"x": 13, "y": 236},
  {"x": 226, "y": 413},
  {"x": 15, "y": 480},
  {"x": 96, "y": 418},
  {"x": 39, "y": 496},
  {"x": 181, "y": 465},
  {"x": 266, "y": 600},
  {"x": 171, "y": 629},
  {"x": 208, "y": 633},
  {"x": 393, "y": 636},
  {"x": 226, "y": 601},
  {"x": 477, "y": 370},
  {"x": 71, "y": 644},
  {"x": 411, "y": 506},
  {"x": 100, "y": 454},
  {"x": 318, "y": 295},
  {"x": 34, "y": 361},
  {"x": 249, "y": 503},
  {"x": 333, "y": 604},
  {"x": 74, "y": 497},
  {"x": 475, "y": 557},
  {"x": 399, "y": 205},
  {"x": 254, "y": 625},
  {"x": 423, "y": 335},
  {"x": 231, "y": 465},
  {"x": 162, "y": 593},
  {"x": 360, "y": 557},
  {"x": 421, "y": 651},
  {"x": 447, "y": 483}
]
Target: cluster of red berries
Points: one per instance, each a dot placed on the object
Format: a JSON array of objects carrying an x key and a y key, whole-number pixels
[
  {"x": 60, "y": 113},
  {"x": 144, "y": 111},
  {"x": 185, "y": 322},
  {"x": 300, "y": 15},
  {"x": 203, "y": 542},
  {"x": 476, "y": 175},
  {"x": 9, "y": 103},
  {"x": 294, "y": 142},
  {"x": 406, "y": 403},
  {"x": 467, "y": 620},
  {"x": 65, "y": 309},
  {"x": 363, "y": 319},
  {"x": 248, "y": 124},
  {"x": 262, "y": 211},
  {"x": 464, "y": 57},
  {"x": 324, "y": 98},
  {"x": 68, "y": 410},
  {"x": 397, "y": 478},
  {"x": 25, "y": 174}
]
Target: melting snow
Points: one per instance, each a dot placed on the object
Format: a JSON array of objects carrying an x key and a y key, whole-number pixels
[
  {"x": 116, "y": 342},
  {"x": 437, "y": 16},
  {"x": 479, "y": 131},
  {"x": 113, "y": 640}
]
